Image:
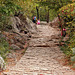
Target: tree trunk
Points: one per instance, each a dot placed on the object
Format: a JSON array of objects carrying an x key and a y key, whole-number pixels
[
  {"x": 60, "y": 25},
  {"x": 37, "y": 12},
  {"x": 48, "y": 16}
]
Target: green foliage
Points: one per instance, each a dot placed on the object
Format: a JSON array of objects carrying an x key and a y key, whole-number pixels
[
  {"x": 53, "y": 6},
  {"x": 4, "y": 47},
  {"x": 7, "y": 8},
  {"x": 67, "y": 13},
  {"x": 28, "y": 7},
  {"x": 4, "y": 21},
  {"x": 53, "y": 14}
]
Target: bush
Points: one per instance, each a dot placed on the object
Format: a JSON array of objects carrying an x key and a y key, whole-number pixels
[
  {"x": 67, "y": 13},
  {"x": 4, "y": 47}
]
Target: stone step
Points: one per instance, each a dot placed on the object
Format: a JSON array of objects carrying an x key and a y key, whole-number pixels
[
  {"x": 35, "y": 73},
  {"x": 39, "y": 74},
  {"x": 43, "y": 45}
]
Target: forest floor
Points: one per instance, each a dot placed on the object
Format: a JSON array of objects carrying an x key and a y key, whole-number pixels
[{"x": 43, "y": 56}]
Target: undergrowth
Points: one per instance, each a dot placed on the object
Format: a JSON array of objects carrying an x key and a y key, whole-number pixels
[{"x": 4, "y": 47}]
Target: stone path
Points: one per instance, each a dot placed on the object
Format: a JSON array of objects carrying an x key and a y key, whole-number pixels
[{"x": 41, "y": 56}]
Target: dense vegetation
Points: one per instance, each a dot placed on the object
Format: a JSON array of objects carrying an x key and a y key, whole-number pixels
[
  {"x": 67, "y": 13},
  {"x": 4, "y": 46}
]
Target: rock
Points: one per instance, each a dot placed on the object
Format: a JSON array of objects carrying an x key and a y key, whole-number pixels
[
  {"x": 55, "y": 37},
  {"x": 54, "y": 23},
  {"x": 31, "y": 25},
  {"x": 2, "y": 36},
  {"x": 25, "y": 74},
  {"x": 15, "y": 47},
  {"x": 74, "y": 65},
  {"x": 65, "y": 38},
  {"x": 55, "y": 40},
  {"x": 22, "y": 23},
  {"x": 43, "y": 23},
  {"x": 18, "y": 39},
  {"x": 73, "y": 50},
  {"x": 73, "y": 59},
  {"x": 10, "y": 55},
  {"x": 22, "y": 41},
  {"x": 2, "y": 64},
  {"x": 14, "y": 23},
  {"x": 12, "y": 41},
  {"x": 20, "y": 45}
]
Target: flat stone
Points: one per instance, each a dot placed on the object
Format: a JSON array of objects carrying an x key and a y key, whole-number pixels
[
  {"x": 35, "y": 68},
  {"x": 35, "y": 73},
  {"x": 25, "y": 74},
  {"x": 44, "y": 69}
]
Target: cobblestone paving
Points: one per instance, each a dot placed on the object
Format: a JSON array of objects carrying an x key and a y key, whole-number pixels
[{"x": 41, "y": 60}]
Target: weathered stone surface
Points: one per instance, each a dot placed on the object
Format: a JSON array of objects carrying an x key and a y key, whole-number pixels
[
  {"x": 2, "y": 36},
  {"x": 42, "y": 60},
  {"x": 55, "y": 37},
  {"x": 32, "y": 27},
  {"x": 20, "y": 39},
  {"x": 19, "y": 24},
  {"x": 74, "y": 65},
  {"x": 20, "y": 45},
  {"x": 12, "y": 41},
  {"x": 73, "y": 59},
  {"x": 10, "y": 55},
  {"x": 14, "y": 23},
  {"x": 15, "y": 47},
  {"x": 54, "y": 23},
  {"x": 2, "y": 64}
]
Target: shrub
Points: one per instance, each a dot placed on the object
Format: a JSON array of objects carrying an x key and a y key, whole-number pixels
[
  {"x": 67, "y": 13},
  {"x": 4, "y": 47}
]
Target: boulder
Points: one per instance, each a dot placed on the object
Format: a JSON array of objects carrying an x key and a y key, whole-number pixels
[
  {"x": 22, "y": 23},
  {"x": 14, "y": 23},
  {"x": 20, "y": 45},
  {"x": 2, "y": 64},
  {"x": 74, "y": 65},
  {"x": 73, "y": 50},
  {"x": 73, "y": 59},
  {"x": 31, "y": 26}
]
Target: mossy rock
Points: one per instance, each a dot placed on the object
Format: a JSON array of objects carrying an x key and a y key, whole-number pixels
[
  {"x": 73, "y": 65},
  {"x": 73, "y": 59}
]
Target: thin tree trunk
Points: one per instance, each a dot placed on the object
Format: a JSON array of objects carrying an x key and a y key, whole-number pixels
[
  {"x": 48, "y": 16},
  {"x": 61, "y": 26},
  {"x": 37, "y": 12}
]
